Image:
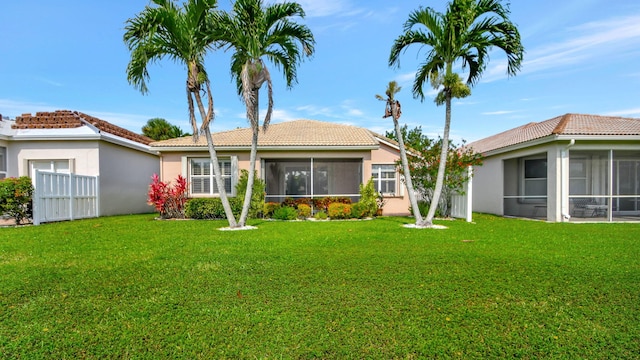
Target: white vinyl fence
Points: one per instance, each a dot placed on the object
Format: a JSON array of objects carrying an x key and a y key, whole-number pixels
[
  {"x": 60, "y": 197},
  {"x": 461, "y": 204}
]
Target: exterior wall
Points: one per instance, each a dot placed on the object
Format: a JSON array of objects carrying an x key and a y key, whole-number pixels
[
  {"x": 83, "y": 155},
  {"x": 171, "y": 165},
  {"x": 500, "y": 175},
  {"x": 487, "y": 186},
  {"x": 125, "y": 175}
]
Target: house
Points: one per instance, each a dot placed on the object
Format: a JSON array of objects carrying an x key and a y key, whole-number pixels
[
  {"x": 570, "y": 168},
  {"x": 296, "y": 159},
  {"x": 72, "y": 142}
]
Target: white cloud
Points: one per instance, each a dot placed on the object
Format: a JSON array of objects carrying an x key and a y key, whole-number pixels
[
  {"x": 499, "y": 112},
  {"x": 633, "y": 112},
  {"x": 609, "y": 38}
]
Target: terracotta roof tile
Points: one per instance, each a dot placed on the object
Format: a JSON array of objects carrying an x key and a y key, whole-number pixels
[
  {"x": 291, "y": 133},
  {"x": 64, "y": 119},
  {"x": 568, "y": 124}
]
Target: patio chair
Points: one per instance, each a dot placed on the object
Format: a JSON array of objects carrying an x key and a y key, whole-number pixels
[{"x": 580, "y": 207}]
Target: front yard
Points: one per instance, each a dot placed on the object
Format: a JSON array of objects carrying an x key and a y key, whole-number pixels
[{"x": 134, "y": 287}]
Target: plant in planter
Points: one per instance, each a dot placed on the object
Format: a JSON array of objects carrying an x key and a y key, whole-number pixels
[{"x": 380, "y": 203}]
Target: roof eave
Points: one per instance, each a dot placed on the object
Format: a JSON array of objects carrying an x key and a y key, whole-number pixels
[
  {"x": 553, "y": 138},
  {"x": 266, "y": 148}
]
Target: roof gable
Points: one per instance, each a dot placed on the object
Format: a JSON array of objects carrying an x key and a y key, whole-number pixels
[
  {"x": 568, "y": 124},
  {"x": 299, "y": 133},
  {"x": 65, "y": 119}
]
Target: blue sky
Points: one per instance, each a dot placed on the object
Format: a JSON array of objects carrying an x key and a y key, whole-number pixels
[{"x": 581, "y": 57}]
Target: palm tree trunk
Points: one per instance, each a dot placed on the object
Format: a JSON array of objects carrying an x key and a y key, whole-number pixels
[
  {"x": 405, "y": 168},
  {"x": 214, "y": 162},
  {"x": 255, "y": 126},
  {"x": 442, "y": 165}
]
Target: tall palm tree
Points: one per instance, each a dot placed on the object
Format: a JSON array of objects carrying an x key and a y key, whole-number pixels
[
  {"x": 257, "y": 32},
  {"x": 464, "y": 34},
  {"x": 183, "y": 34},
  {"x": 393, "y": 109}
]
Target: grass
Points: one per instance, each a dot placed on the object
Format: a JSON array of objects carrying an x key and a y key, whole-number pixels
[{"x": 133, "y": 287}]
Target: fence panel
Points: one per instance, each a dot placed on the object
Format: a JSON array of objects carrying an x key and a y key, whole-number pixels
[{"x": 64, "y": 197}]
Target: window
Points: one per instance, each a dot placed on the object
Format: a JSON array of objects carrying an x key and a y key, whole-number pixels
[
  {"x": 3, "y": 162},
  {"x": 56, "y": 166},
  {"x": 384, "y": 177},
  {"x": 535, "y": 178},
  {"x": 202, "y": 179}
]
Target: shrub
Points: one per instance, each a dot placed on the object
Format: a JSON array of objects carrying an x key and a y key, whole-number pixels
[
  {"x": 16, "y": 198},
  {"x": 269, "y": 208},
  {"x": 285, "y": 213},
  {"x": 256, "y": 206},
  {"x": 360, "y": 211},
  {"x": 368, "y": 199},
  {"x": 211, "y": 208},
  {"x": 168, "y": 200},
  {"x": 339, "y": 210},
  {"x": 304, "y": 211},
  {"x": 320, "y": 215}
]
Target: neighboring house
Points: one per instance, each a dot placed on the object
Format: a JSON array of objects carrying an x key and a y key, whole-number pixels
[
  {"x": 73, "y": 142},
  {"x": 297, "y": 159},
  {"x": 572, "y": 167}
]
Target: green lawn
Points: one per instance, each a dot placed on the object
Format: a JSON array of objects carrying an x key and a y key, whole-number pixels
[{"x": 134, "y": 287}]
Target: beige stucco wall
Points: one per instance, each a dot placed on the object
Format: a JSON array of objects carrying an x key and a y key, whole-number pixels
[{"x": 171, "y": 166}]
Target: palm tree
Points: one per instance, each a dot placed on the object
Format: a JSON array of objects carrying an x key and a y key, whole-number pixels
[
  {"x": 465, "y": 33},
  {"x": 393, "y": 109},
  {"x": 182, "y": 34},
  {"x": 257, "y": 33}
]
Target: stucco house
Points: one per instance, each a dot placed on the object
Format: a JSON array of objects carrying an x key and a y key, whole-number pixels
[
  {"x": 296, "y": 159},
  {"x": 72, "y": 142},
  {"x": 572, "y": 167}
]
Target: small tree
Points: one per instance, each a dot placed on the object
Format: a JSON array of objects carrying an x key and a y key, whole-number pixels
[{"x": 424, "y": 164}]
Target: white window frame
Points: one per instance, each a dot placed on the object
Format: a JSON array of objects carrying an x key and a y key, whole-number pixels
[
  {"x": 376, "y": 174},
  {"x": 232, "y": 163}
]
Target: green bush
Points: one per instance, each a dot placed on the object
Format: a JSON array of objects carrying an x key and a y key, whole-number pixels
[
  {"x": 256, "y": 206},
  {"x": 211, "y": 208},
  {"x": 320, "y": 215},
  {"x": 268, "y": 209},
  {"x": 360, "y": 211},
  {"x": 368, "y": 200},
  {"x": 304, "y": 211},
  {"x": 339, "y": 210},
  {"x": 16, "y": 198},
  {"x": 285, "y": 213}
]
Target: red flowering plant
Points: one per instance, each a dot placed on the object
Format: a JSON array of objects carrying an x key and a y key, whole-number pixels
[{"x": 168, "y": 200}]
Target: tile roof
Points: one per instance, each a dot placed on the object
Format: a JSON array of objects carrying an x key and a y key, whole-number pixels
[
  {"x": 568, "y": 124},
  {"x": 61, "y": 119},
  {"x": 292, "y": 133}
]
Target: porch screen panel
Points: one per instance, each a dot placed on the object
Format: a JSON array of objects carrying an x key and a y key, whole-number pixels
[
  {"x": 307, "y": 178},
  {"x": 288, "y": 177},
  {"x": 337, "y": 177},
  {"x": 626, "y": 183}
]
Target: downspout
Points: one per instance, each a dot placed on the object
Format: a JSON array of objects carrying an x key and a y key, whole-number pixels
[{"x": 564, "y": 185}]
